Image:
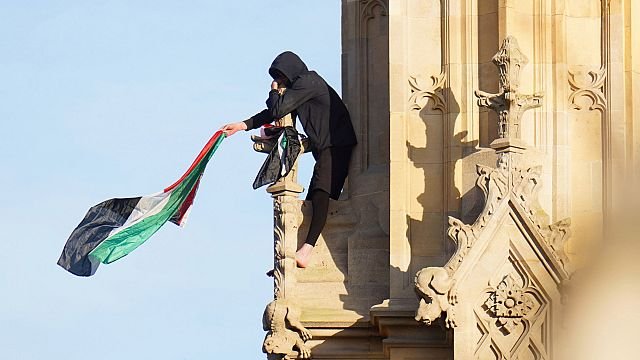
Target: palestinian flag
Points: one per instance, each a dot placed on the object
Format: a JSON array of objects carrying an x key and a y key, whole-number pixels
[
  {"x": 282, "y": 156},
  {"x": 116, "y": 227}
]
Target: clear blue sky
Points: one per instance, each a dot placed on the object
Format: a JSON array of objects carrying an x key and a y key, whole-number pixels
[{"x": 103, "y": 99}]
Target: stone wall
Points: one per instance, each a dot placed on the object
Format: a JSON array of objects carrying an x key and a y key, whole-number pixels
[{"x": 410, "y": 71}]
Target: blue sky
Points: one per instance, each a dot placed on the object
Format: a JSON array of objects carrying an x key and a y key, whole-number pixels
[{"x": 103, "y": 99}]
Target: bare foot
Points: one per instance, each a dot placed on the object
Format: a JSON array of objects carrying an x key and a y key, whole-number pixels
[{"x": 303, "y": 255}]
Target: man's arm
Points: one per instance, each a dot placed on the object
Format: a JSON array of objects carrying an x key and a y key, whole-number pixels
[
  {"x": 253, "y": 122},
  {"x": 259, "y": 119},
  {"x": 281, "y": 102}
]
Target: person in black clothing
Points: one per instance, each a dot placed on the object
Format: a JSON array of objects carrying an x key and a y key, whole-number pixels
[{"x": 325, "y": 120}]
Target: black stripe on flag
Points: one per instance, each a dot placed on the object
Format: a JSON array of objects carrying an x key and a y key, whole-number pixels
[{"x": 99, "y": 221}]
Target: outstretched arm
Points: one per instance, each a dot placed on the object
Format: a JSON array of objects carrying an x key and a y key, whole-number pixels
[
  {"x": 281, "y": 102},
  {"x": 253, "y": 122},
  {"x": 232, "y": 128}
]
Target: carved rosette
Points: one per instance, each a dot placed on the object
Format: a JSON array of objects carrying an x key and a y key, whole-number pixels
[
  {"x": 512, "y": 318},
  {"x": 509, "y": 304},
  {"x": 422, "y": 93}
]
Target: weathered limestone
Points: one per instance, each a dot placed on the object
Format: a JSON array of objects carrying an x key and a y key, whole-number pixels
[{"x": 432, "y": 165}]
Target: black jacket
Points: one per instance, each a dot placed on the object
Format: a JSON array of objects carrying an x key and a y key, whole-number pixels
[{"x": 322, "y": 113}]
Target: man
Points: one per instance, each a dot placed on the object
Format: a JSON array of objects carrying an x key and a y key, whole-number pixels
[{"x": 326, "y": 122}]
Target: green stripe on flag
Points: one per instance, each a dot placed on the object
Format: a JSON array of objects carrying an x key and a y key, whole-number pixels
[{"x": 125, "y": 241}]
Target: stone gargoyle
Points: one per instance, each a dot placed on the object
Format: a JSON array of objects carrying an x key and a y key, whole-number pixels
[
  {"x": 436, "y": 291},
  {"x": 284, "y": 331}
]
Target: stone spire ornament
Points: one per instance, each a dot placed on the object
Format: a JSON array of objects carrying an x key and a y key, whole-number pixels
[{"x": 509, "y": 103}]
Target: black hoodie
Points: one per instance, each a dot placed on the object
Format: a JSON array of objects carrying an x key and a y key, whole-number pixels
[{"x": 322, "y": 113}]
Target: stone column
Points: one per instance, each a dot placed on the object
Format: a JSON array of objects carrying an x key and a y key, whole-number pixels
[
  {"x": 285, "y": 333},
  {"x": 285, "y": 194},
  {"x": 286, "y": 218}
]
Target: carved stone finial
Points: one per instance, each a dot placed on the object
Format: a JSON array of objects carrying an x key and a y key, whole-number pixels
[
  {"x": 509, "y": 61},
  {"x": 509, "y": 103}
]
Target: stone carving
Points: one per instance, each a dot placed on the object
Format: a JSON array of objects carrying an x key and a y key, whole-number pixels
[
  {"x": 513, "y": 319},
  {"x": 284, "y": 331},
  {"x": 589, "y": 86},
  {"x": 431, "y": 92},
  {"x": 521, "y": 186},
  {"x": 556, "y": 236},
  {"x": 494, "y": 186},
  {"x": 285, "y": 220},
  {"x": 464, "y": 237},
  {"x": 509, "y": 188},
  {"x": 509, "y": 304},
  {"x": 435, "y": 285},
  {"x": 509, "y": 103}
]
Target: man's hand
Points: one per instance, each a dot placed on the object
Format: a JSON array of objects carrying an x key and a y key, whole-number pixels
[
  {"x": 277, "y": 85},
  {"x": 233, "y": 128}
]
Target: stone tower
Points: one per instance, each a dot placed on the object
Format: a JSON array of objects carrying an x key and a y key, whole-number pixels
[{"x": 493, "y": 135}]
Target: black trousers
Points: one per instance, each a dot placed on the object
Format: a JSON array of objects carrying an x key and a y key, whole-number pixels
[
  {"x": 327, "y": 181},
  {"x": 330, "y": 171}
]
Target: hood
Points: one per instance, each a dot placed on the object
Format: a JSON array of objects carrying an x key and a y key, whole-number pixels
[{"x": 289, "y": 64}]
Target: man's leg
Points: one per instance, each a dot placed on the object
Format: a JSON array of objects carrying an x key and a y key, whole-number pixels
[{"x": 320, "y": 202}]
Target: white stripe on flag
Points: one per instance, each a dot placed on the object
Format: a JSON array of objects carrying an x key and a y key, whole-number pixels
[{"x": 147, "y": 206}]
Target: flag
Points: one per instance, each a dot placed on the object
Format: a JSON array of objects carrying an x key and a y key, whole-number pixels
[
  {"x": 282, "y": 156},
  {"x": 116, "y": 227}
]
